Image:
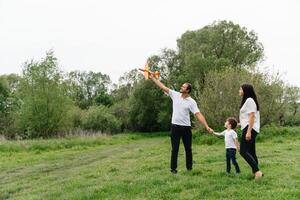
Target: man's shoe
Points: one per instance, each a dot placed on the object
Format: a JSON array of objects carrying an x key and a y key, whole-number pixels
[{"x": 173, "y": 171}]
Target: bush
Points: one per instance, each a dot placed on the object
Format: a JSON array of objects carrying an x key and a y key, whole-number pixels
[
  {"x": 98, "y": 118},
  {"x": 200, "y": 137},
  {"x": 73, "y": 119},
  {"x": 121, "y": 111},
  {"x": 275, "y": 132}
]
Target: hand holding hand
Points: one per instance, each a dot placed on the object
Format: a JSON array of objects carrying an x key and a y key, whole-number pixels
[{"x": 210, "y": 130}]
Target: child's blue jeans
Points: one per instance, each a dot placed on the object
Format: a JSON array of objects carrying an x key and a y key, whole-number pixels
[{"x": 230, "y": 156}]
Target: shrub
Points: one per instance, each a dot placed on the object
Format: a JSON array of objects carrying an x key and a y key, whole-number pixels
[{"x": 98, "y": 118}]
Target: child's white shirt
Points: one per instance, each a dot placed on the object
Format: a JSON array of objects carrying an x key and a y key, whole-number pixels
[{"x": 229, "y": 137}]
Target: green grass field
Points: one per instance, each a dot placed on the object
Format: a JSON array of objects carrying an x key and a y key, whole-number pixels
[{"x": 134, "y": 166}]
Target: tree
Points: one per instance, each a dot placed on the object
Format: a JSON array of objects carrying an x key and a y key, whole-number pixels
[
  {"x": 291, "y": 116},
  {"x": 127, "y": 82},
  {"x": 219, "y": 98},
  {"x": 168, "y": 63},
  {"x": 9, "y": 103},
  {"x": 103, "y": 99},
  {"x": 148, "y": 105},
  {"x": 215, "y": 47},
  {"x": 138, "y": 103},
  {"x": 89, "y": 88},
  {"x": 121, "y": 97},
  {"x": 4, "y": 93},
  {"x": 44, "y": 100}
]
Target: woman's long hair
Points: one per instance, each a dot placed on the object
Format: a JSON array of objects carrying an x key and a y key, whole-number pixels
[{"x": 248, "y": 93}]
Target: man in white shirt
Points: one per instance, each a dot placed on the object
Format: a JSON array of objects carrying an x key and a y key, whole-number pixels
[{"x": 183, "y": 104}]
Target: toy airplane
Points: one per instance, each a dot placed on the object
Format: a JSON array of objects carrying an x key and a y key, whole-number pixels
[{"x": 147, "y": 72}]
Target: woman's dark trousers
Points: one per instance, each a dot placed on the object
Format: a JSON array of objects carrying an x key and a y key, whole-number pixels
[{"x": 247, "y": 149}]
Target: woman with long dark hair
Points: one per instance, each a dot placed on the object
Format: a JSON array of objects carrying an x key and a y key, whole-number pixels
[{"x": 250, "y": 124}]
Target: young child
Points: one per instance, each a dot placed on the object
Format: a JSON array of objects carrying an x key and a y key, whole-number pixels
[{"x": 231, "y": 144}]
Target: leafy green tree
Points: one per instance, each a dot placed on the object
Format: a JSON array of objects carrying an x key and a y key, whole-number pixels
[
  {"x": 9, "y": 103},
  {"x": 217, "y": 46},
  {"x": 131, "y": 78},
  {"x": 103, "y": 99},
  {"x": 121, "y": 96},
  {"x": 168, "y": 63},
  {"x": 291, "y": 116},
  {"x": 148, "y": 105},
  {"x": 44, "y": 99},
  {"x": 219, "y": 98},
  {"x": 124, "y": 90},
  {"x": 89, "y": 88},
  {"x": 4, "y": 93},
  {"x": 139, "y": 104}
]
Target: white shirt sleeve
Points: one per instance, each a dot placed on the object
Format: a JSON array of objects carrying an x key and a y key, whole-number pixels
[
  {"x": 234, "y": 135},
  {"x": 172, "y": 93},
  {"x": 193, "y": 107},
  {"x": 223, "y": 133},
  {"x": 250, "y": 106}
]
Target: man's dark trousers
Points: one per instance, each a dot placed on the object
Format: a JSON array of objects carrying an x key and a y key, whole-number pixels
[{"x": 185, "y": 133}]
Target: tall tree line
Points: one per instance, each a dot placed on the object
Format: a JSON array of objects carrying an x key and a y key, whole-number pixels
[{"x": 216, "y": 59}]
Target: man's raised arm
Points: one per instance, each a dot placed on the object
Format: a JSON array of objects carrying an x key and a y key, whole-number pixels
[{"x": 159, "y": 84}]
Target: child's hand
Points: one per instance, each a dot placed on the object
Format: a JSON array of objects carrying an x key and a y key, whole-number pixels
[
  {"x": 216, "y": 134},
  {"x": 210, "y": 130}
]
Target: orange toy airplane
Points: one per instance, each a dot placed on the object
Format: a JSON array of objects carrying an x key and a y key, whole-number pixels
[{"x": 147, "y": 72}]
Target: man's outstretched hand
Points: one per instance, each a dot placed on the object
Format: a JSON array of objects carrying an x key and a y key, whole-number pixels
[
  {"x": 210, "y": 130},
  {"x": 151, "y": 76}
]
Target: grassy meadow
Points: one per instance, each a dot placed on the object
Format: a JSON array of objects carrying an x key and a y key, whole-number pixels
[{"x": 136, "y": 166}]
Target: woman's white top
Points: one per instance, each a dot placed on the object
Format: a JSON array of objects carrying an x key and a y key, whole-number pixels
[{"x": 249, "y": 107}]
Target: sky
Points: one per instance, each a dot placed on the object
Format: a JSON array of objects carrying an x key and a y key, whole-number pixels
[{"x": 115, "y": 36}]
